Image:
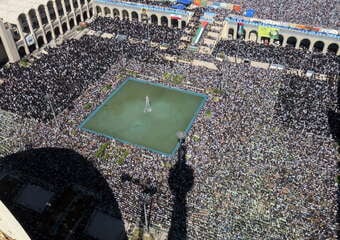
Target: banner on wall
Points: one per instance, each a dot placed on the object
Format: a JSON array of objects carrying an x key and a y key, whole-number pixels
[
  {"x": 308, "y": 28},
  {"x": 201, "y": 3},
  {"x": 177, "y": 17},
  {"x": 268, "y": 32},
  {"x": 29, "y": 40}
]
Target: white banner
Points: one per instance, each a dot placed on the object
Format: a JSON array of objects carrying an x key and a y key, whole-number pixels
[{"x": 29, "y": 40}]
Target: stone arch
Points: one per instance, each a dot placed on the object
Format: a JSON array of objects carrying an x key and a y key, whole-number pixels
[
  {"x": 33, "y": 18},
  {"x": 78, "y": 19},
  {"x": 60, "y": 8},
  {"x": 85, "y": 15},
  {"x": 280, "y": 40},
  {"x": 333, "y": 48},
  {"x": 291, "y": 41},
  {"x": 318, "y": 46},
  {"x": 253, "y": 35},
  {"x": 107, "y": 12},
  {"x": 40, "y": 41},
  {"x": 134, "y": 16},
  {"x": 154, "y": 19},
  {"x": 265, "y": 40},
  {"x": 116, "y": 13},
  {"x": 64, "y": 27},
  {"x": 231, "y": 33},
  {"x": 184, "y": 24},
  {"x": 22, "y": 52},
  {"x": 48, "y": 36},
  {"x": 51, "y": 11},
  {"x": 71, "y": 22},
  {"x": 68, "y": 5},
  {"x": 3, "y": 54},
  {"x": 42, "y": 14},
  {"x": 125, "y": 15},
  {"x": 305, "y": 43},
  {"x": 75, "y": 4},
  {"x": 23, "y": 22},
  {"x": 32, "y": 48},
  {"x": 56, "y": 32},
  {"x": 99, "y": 10},
  {"x": 164, "y": 21},
  {"x": 15, "y": 33},
  {"x": 91, "y": 12},
  {"x": 174, "y": 23}
]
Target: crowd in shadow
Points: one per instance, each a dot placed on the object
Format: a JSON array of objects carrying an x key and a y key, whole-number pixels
[
  {"x": 64, "y": 172},
  {"x": 181, "y": 181},
  {"x": 79, "y": 190}
]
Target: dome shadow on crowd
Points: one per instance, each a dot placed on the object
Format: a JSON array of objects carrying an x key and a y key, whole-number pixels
[
  {"x": 181, "y": 181},
  {"x": 65, "y": 173}
]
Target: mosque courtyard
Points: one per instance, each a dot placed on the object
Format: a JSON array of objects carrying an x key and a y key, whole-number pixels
[{"x": 126, "y": 116}]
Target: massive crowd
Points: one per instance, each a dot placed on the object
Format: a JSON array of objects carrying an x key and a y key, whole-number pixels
[
  {"x": 288, "y": 56},
  {"x": 310, "y": 12},
  {"x": 62, "y": 75},
  {"x": 263, "y": 160},
  {"x": 138, "y": 30}
]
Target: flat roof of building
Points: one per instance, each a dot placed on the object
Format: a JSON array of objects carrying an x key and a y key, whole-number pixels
[{"x": 11, "y": 9}]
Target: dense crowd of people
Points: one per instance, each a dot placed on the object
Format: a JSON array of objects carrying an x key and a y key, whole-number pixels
[
  {"x": 138, "y": 30},
  {"x": 263, "y": 160},
  {"x": 62, "y": 75},
  {"x": 309, "y": 12},
  {"x": 318, "y": 13},
  {"x": 287, "y": 56}
]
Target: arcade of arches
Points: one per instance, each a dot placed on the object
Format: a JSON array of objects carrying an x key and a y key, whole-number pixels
[
  {"x": 59, "y": 15},
  {"x": 135, "y": 16},
  {"x": 316, "y": 46}
]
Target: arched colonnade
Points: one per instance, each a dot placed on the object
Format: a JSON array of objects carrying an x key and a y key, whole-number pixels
[
  {"x": 48, "y": 21},
  {"x": 290, "y": 40},
  {"x": 136, "y": 15}
]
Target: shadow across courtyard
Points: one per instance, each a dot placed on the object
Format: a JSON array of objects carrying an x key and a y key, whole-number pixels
[
  {"x": 79, "y": 204},
  {"x": 181, "y": 181}
]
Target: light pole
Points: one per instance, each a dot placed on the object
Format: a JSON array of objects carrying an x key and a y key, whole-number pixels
[{"x": 48, "y": 99}]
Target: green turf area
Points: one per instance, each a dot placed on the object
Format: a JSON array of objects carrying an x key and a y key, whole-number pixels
[{"x": 121, "y": 116}]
